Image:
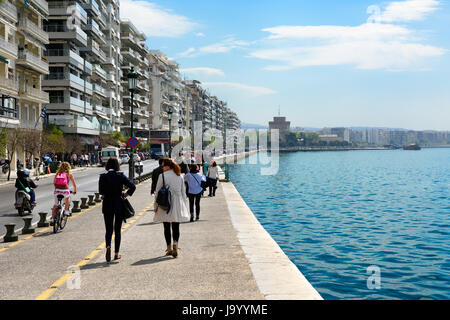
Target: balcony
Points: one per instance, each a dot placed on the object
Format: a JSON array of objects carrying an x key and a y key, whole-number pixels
[
  {"x": 41, "y": 6},
  {"x": 9, "y": 86},
  {"x": 68, "y": 56},
  {"x": 99, "y": 90},
  {"x": 92, "y": 6},
  {"x": 28, "y": 26},
  {"x": 78, "y": 125},
  {"x": 33, "y": 94},
  {"x": 9, "y": 10},
  {"x": 99, "y": 71},
  {"x": 94, "y": 30},
  {"x": 94, "y": 48},
  {"x": 61, "y": 32},
  {"x": 8, "y": 49},
  {"x": 31, "y": 61}
]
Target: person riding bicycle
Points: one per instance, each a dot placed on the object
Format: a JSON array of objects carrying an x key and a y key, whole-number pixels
[
  {"x": 23, "y": 182},
  {"x": 61, "y": 183}
]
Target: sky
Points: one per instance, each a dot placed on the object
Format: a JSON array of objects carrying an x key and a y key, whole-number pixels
[{"x": 320, "y": 63}]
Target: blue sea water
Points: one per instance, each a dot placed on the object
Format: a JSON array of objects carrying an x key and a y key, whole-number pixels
[{"x": 335, "y": 214}]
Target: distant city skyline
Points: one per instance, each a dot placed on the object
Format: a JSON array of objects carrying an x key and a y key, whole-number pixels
[{"x": 326, "y": 63}]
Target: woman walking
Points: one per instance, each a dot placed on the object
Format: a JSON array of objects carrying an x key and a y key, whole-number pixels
[
  {"x": 212, "y": 176},
  {"x": 177, "y": 212},
  {"x": 110, "y": 186},
  {"x": 195, "y": 190}
]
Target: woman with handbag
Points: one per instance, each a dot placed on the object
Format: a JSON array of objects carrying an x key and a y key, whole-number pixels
[
  {"x": 195, "y": 182},
  {"x": 110, "y": 186},
  {"x": 170, "y": 204}
]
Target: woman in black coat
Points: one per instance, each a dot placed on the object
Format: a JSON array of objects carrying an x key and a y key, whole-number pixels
[{"x": 111, "y": 187}]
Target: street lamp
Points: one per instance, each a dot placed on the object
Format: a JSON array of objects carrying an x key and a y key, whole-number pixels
[
  {"x": 170, "y": 131},
  {"x": 132, "y": 83}
]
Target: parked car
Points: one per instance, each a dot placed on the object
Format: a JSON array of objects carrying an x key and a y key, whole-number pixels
[{"x": 124, "y": 158}]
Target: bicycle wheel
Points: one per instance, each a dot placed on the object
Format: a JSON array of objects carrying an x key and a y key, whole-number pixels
[
  {"x": 63, "y": 221},
  {"x": 56, "y": 222}
]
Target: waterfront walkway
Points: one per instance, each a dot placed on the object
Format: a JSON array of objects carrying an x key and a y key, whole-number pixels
[{"x": 217, "y": 260}]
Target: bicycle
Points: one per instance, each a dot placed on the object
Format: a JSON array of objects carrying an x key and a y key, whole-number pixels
[{"x": 60, "y": 220}]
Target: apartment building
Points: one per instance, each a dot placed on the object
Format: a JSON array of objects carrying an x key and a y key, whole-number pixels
[
  {"x": 81, "y": 92},
  {"x": 134, "y": 53},
  {"x": 22, "y": 64}
]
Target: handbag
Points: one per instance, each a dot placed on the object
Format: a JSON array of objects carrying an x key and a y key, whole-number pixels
[
  {"x": 163, "y": 197},
  {"x": 127, "y": 209},
  {"x": 27, "y": 190},
  {"x": 203, "y": 184}
]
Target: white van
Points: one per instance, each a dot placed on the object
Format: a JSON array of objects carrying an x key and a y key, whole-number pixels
[{"x": 109, "y": 152}]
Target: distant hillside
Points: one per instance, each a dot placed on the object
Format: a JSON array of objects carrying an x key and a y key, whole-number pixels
[{"x": 246, "y": 126}]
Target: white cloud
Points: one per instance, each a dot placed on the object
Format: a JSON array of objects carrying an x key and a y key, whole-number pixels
[
  {"x": 403, "y": 11},
  {"x": 240, "y": 87},
  {"x": 200, "y": 34},
  {"x": 224, "y": 46},
  {"x": 368, "y": 46},
  {"x": 186, "y": 53},
  {"x": 155, "y": 21},
  {"x": 203, "y": 71}
]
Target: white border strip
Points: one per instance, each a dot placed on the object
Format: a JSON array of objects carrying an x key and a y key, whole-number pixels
[{"x": 276, "y": 275}]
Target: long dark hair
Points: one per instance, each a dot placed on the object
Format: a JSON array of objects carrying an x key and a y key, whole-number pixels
[
  {"x": 112, "y": 163},
  {"x": 172, "y": 165}
]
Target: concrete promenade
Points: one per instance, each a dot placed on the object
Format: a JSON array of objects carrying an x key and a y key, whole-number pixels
[{"x": 226, "y": 255}]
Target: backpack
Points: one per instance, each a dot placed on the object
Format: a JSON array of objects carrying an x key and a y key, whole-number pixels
[
  {"x": 163, "y": 197},
  {"x": 61, "y": 181}
]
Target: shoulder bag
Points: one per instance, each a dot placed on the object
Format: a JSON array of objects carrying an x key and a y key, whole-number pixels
[{"x": 163, "y": 197}]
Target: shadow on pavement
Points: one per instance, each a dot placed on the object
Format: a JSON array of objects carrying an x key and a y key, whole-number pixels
[
  {"x": 98, "y": 265},
  {"x": 152, "y": 260}
]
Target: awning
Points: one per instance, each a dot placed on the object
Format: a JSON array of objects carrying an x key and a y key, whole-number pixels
[
  {"x": 87, "y": 140},
  {"x": 3, "y": 60},
  {"x": 102, "y": 116}
]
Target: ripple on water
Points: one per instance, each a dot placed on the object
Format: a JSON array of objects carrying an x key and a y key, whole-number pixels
[{"x": 336, "y": 214}]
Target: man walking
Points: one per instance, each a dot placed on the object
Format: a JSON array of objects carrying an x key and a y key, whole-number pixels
[{"x": 155, "y": 175}]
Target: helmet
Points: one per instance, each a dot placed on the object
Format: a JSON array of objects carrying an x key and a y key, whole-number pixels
[{"x": 26, "y": 172}]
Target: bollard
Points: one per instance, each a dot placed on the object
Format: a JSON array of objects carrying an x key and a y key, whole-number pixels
[
  {"x": 27, "y": 229},
  {"x": 97, "y": 197},
  {"x": 76, "y": 206},
  {"x": 84, "y": 205},
  {"x": 91, "y": 200},
  {"x": 43, "y": 222},
  {"x": 10, "y": 235}
]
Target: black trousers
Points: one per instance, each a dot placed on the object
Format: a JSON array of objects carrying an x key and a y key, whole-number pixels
[
  {"x": 113, "y": 223},
  {"x": 212, "y": 186},
  {"x": 175, "y": 231},
  {"x": 194, "y": 198}
]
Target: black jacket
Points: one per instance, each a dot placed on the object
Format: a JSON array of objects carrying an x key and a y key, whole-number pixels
[
  {"x": 110, "y": 185},
  {"x": 155, "y": 176},
  {"x": 26, "y": 181}
]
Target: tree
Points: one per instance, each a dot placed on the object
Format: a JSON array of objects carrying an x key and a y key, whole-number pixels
[
  {"x": 73, "y": 144},
  {"x": 30, "y": 141},
  {"x": 14, "y": 137},
  {"x": 3, "y": 140},
  {"x": 52, "y": 140},
  {"x": 111, "y": 139}
]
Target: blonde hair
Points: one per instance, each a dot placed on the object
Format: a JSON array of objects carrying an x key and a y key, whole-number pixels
[{"x": 64, "y": 167}]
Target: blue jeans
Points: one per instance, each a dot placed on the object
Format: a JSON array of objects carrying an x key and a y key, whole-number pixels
[{"x": 32, "y": 195}]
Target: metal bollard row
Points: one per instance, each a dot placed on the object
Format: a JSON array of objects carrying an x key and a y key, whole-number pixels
[{"x": 12, "y": 236}]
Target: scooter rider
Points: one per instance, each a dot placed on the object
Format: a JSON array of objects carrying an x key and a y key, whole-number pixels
[{"x": 23, "y": 182}]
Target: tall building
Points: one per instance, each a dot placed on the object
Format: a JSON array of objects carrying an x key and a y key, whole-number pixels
[
  {"x": 22, "y": 64},
  {"x": 134, "y": 53},
  {"x": 81, "y": 94}
]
